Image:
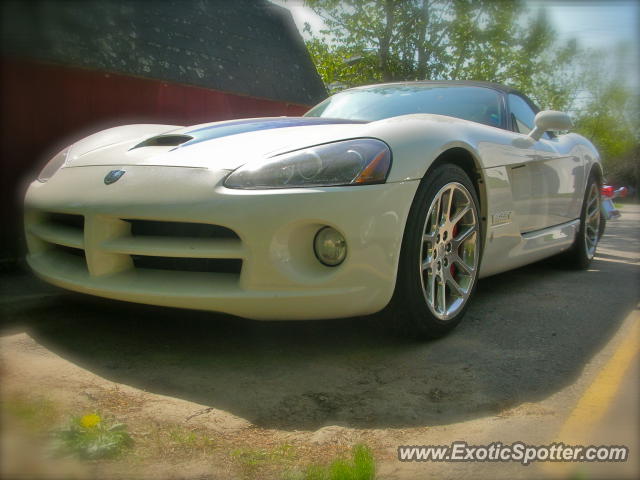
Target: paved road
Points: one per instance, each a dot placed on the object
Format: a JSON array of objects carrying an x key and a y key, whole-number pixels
[{"x": 531, "y": 343}]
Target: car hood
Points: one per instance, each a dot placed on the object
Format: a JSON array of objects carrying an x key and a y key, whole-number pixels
[{"x": 220, "y": 145}]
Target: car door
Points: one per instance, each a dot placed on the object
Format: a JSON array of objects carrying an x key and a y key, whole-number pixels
[{"x": 543, "y": 181}]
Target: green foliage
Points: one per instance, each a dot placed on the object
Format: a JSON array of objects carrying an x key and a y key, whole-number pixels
[
  {"x": 190, "y": 441},
  {"x": 90, "y": 437},
  {"x": 610, "y": 117},
  {"x": 252, "y": 460},
  {"x": 613, "y": 134},
  {"x": 339, "y": 65},
  {"x": 361, "y": 467},
  {"x": 368, "y": 41},
  {"x": 251, "y": 456},
  {"x": 38, "y": 414}
]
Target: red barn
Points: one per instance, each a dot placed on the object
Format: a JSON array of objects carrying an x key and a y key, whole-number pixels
[{"x": 70, "y": 68}]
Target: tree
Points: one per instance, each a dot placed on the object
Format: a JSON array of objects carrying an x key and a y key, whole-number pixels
[
  {"x": 440, "y": 39},
  {"x": 339, "y": 65},
  {"x": 609, "y": 115}
]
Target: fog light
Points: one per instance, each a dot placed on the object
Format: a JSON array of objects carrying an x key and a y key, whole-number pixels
[{"x": 330, "y": 246}]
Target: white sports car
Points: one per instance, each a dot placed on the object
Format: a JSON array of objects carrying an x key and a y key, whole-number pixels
[{"x": 400, "y": 195}]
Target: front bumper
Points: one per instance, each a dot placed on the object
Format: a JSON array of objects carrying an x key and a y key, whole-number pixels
[{"x": 280, "y": 277}]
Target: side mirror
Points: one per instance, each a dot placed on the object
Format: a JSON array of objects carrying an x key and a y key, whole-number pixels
[{"x": 547, "y": 120}]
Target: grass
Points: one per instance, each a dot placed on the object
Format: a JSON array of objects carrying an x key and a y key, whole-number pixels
[
  {"x": 361, "y": 466},
  {"x": 254, "y": 460},
  {"x": 580, "y": 475},
  {"x": 251, "y": 456},
  {"x": 190, "y": 440},
  {"x": 174, "y": 440},
  {"x": 38, "y": 414},
  {"x": 101, "y": 439},
  {"x": 91, "y": 437}
]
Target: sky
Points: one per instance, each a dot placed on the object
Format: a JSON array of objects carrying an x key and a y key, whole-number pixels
[{"x": 599, "y": 24}]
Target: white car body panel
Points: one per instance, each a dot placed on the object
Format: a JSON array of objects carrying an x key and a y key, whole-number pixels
[
  {"x": 281, "y": 277},
  {"x": 530, "y": 193}
]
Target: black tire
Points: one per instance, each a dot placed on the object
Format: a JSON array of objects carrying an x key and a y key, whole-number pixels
[
  {"x": 408, "y": 309},
  {"x": 579, "y": 256},
  {"x": 603, "y": 226}
]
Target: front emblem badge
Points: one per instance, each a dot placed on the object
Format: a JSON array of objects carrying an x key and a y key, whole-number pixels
[{"x": 113, "y": 176}]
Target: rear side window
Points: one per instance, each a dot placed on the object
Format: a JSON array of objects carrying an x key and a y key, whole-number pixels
[{"x": 521, "y": 114}]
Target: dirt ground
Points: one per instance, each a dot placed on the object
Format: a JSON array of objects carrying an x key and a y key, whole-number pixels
[{"x": 210, "y": 396}]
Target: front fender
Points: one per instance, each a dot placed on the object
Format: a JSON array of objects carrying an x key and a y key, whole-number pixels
[{"x": 418, "y": 140}]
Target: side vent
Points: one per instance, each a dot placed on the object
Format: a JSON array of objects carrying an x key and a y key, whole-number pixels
[{"x": 164, "y": 141}]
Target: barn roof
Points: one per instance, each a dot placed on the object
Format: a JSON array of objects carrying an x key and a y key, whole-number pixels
[{"x": 249, "y": 47}]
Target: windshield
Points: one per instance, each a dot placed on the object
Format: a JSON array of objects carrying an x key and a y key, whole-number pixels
[{"x": 477, "y": 104}]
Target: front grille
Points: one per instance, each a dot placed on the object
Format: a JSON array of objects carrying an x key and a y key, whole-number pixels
[
  {"x": 65, "y": 219},
  {"x": 212, "y": 265},
  {"x": 179, "y": 229},
  {"x": 70, "y": 255},
  {"x": 76, "y": 252},
  {"x": 57, "y": 234},
  {"x": 150, "y": 244}
]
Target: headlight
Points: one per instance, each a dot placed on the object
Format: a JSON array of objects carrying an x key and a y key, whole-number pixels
[
  {"x": 351, "y": 162},
  {"x": 53, "y": 165}
]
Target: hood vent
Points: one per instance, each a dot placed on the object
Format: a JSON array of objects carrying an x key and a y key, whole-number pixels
[
  {"x": 164, "y": 141},
  {"x": 236, "y": 127}
]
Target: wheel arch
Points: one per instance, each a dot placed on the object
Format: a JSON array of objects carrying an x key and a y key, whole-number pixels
[
  {"x": 596, "y": 169},
  {"x": 469, "y": 162}
]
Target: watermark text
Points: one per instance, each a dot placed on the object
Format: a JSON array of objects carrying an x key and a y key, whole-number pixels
[{"x": 516, "y": 452}]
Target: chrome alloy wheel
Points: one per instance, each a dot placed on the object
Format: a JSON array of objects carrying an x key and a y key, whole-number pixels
[
  {"x": 592, "y": 221},
  {"x": 450, "y": 251}
]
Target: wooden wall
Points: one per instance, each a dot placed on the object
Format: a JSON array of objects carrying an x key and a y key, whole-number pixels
[{"x": 47, "y": 107}]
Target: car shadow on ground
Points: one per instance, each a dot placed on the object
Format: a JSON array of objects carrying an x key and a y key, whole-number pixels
[{"x": 527, "y": 334}]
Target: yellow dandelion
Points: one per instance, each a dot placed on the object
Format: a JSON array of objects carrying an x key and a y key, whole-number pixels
[{"x": 90, "y": 420}]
